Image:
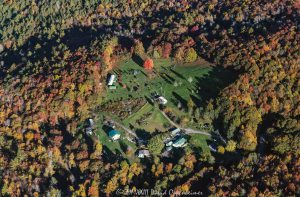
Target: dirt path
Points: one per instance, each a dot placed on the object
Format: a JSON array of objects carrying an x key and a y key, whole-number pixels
[
  {"x": 186, "y": 130},
  {"x": 122, "y": 126}
]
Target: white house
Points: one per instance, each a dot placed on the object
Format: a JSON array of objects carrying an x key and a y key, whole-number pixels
[{"x": 143, "y": 153}]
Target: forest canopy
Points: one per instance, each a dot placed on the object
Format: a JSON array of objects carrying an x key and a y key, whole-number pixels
[{"x": 55, "y": 57}]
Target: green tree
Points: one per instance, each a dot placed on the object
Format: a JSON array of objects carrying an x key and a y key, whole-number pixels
[
  {"x": 190, "y": 105},
  {"x": 156, "y": 144}
]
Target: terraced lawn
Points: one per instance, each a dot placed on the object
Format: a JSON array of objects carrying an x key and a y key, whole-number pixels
[
  {"x": 173, "y": 82},
  {"x": 152, "y": 119},
  {"x": 177, "y": 83}
]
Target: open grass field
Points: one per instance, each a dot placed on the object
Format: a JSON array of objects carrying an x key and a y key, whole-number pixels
[
  {"x": 153, "y": 119},
  {"x": 199, "y": 142},
  {"x": 115, "y": 147},
  {"x": 177, "y": 83}
]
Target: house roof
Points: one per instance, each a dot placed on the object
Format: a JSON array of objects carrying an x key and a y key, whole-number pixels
[
  {"x": 174, "y": 131},
  {"x": 111, "y": 79},
  {"x": 180, "y": 141},
  {"x": 113, "y": 133},
  {"x": 144, "y": 152}
]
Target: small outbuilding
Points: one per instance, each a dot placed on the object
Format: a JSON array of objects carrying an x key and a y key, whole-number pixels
[
  {"x": 169, "y": 148},
  {"x": 89, "y": 131},
  {"x": 170, "y": 143},
  {"x": 111, "y": 80},
  {"x": 91, "y": 122},
  {"x": 213, "y": 148},
  {"x": 90, "y": 126},
  {"x": 175, "y": 131},
  {"x": 161, "y": 100},
  {"x": 114, "y": 135}
]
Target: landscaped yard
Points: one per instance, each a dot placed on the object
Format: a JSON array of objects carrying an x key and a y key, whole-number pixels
[
  {"x": 115, "y": 147},
  {"x": 199, "y": 142},
  {"x": 131, "y": 105},
  {"x": 174, "y": 83},
  {"x": 148, "y": 118}
]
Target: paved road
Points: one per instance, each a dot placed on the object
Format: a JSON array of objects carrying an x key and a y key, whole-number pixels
[{"x": 186, "y": 130}]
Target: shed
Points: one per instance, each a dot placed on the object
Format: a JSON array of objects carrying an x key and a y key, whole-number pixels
[
  {"x": 169, "y": 143},
  {"x": 212, "y": 148},
  {"x": 90, "y": 126},
  {"x": 169, "y": 148},
  {"x": 111, "y": 79},
  {"x": 89, "y": 131},
  {"x": 161, "y": 100},
  {"x": 91, "y": 122}
]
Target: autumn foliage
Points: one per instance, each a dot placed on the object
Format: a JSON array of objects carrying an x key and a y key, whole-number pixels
[
  {"x": 45, "y": 96},
  {"x": 148, "y": 64}
]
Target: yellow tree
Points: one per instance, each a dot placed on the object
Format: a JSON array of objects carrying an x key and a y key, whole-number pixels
[
  {"x": 231, "y": 146},
  {"x": 221, "y": 149},
  {"x": 112, "y": 185}
]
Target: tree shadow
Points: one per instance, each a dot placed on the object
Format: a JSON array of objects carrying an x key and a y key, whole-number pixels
[
  {"x": 123, "y": 146},
  {"x": 178, "y": 74},
  {"x": 210, "y": 85},
  {"x": 138, "y": 60},
  {"x": 73, "y": 38},
  {"x": 106, "y": 129},
  {"x": 180, "y": 99},
  {"x": 108, "y": 155},
  {"x": 143, "y": 134},
  {"x": 164, "y": 77},
  {"x": 196, "y": 100}
]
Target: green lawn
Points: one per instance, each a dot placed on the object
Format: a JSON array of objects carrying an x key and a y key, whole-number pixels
[
  {"x": 154, "y": 121},
  {"x": 115, "y": 146},
  {"x": 199, "y": 142},
  {"x": 179, "y": 83},
  {"x": 173, "y": 84},
  {"x": 145, "y": 109}
]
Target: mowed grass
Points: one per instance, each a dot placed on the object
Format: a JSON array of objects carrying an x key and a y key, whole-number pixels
[
  {"x": 145, "y": 109},
  {"x": 169, "y": 81},
  {"x": 200, "y": 142},
  {"x": 116, "y": 147},
  {"x": 154, "y": 121},
  {"x": 177, "y": 83}
]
